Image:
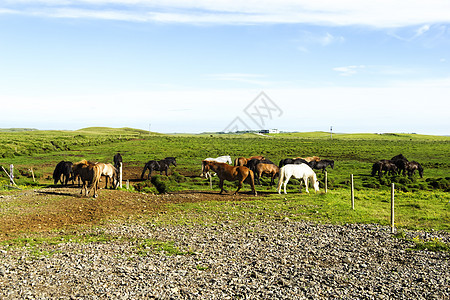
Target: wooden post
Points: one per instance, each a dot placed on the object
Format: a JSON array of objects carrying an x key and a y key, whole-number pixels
[
  {"x": 326, "y": 181},
  {"x": 120, "y": 174},
  {"x": 128, "y": 184},
  {"x": 32, "y": 174},
  {"x": 392, "y": 208},
  {"x": 353, "y": 192}
]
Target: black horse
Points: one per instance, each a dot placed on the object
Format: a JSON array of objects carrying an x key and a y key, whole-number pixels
[
  {"x": 321, "y": 164},
  {"x": 117, "y": 160},
  {"x": 63, "y": 172},
  {"x": 384, "y": 165},
  {"x": 411, "y": 168},
  {"x": 400, "y": 161},
  {"x": 292, "y": 161},
  {"x": 161, "y": 166}
]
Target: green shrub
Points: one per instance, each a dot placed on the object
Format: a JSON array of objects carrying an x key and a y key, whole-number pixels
[{"x": 159, "y": 184}]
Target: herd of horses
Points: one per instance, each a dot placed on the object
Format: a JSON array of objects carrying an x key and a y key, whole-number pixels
[
  {"x": 242, "y": 169},
  {"x": 398, "y": 164},
  {"x": 251, "y": 169}
]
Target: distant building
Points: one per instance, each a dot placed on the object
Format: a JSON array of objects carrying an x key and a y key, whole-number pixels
[{"x": 264, "y": 131}]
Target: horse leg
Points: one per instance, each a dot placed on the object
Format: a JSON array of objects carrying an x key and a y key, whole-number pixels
[
  {"x": 239, "y": 186},
  {"x": 221, "y": 186},
  {"x": 305, "y": 179}
]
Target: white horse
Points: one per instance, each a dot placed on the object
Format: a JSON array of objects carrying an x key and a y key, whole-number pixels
[
  {"x": 301, "y": 171},
  {"x": 221, "y": 159}
]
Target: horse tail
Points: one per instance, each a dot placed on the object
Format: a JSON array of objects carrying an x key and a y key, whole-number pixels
[
  {"x": 98, "y": 170},
  {"x": 251, "y": 180},
  {"x": 236, "y": 162},
  {"x": 281, "y": 178},
  {"x": 143, "y": 171},
  {"x": 374, "y": 169}
]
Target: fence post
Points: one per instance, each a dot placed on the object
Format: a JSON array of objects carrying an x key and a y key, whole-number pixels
[
  {"x": 326, "y": 181},
  {"x": 392, "y": 208},
  {"x": 210, "y": 181},
  {"x": 128, "y": 184},
  {"x": 353, "y": 192},
  {"x": 11, "y": 174},
  {"x": 120, "y": 175},
  {"x": 32, "y": 174}
]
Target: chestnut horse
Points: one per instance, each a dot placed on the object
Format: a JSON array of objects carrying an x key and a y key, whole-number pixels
[
  {"x": 271, "y": 169},
  {"x": 89, "y": 173},
  {"x": 242, "y": 161},
  {"x": 231, "y": 173}
]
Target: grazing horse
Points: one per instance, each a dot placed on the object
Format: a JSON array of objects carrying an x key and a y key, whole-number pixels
[
  {"x": 321, "y": 164},
  {"x": 64, "y": 169},
  {"x": 242, "y": 161},
  {"x": 411, "y": 168},
  {"x": 110, "y": 172},
  {"x": 400, "y": 161},
  {"x": 223, "y": 159},
  {"x": 301, "y": 171},
  {"x": 252, "y": 163},
  {"x": 291, "y": 161},
  {"x": 231, "y": 173},
  {"x": 89, "y": 173},
  {"x": 384, "y": 165},
  {"x": 117, "y": 160},
  {"x": 266, "y": 168},
  {"x": 161, "y": 166}
]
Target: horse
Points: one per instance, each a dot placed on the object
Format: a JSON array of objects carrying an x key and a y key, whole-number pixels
[
  {"x": 400, "y": 161},
  {"x": 64, "y": 169},
  {"x": 161, "y": 166},
  {"x": 400, "y": 156},
  {"x": 301, "y": 171},
  {"x": 321, "y": 164},
  {"x": 109, "y": 171},
  {"x": 252, "y": 163},
  {"x": 384, "y": 165},
  {"x": 411, "y": 168},
  {"x": 224, "y": 159},
  {"x": 231, "y": 173},
  {"x": 309, "y": 159},
  {"x": 291, "y": 161},
  {"x": 89, "y": 173},
  {"x": 242, "y": 161},
  {"x": 117, "y": 160},
  {"x": 266, "y": 168}
]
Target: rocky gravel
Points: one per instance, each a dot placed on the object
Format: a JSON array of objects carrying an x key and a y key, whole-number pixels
[{"x": 281, "y": 259}]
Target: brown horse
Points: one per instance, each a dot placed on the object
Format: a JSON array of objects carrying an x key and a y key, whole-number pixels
[
  {"x": 89, "y": 173},
  {"x": 231, "y": 173},
  {"x": 270, "y": 169},
  {"x": 242, "y": 161}
]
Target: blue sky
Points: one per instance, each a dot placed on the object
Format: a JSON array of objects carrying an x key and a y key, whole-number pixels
[{"x": 195, "y": 66}]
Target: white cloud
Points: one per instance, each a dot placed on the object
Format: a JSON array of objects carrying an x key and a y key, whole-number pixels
[
  {"x": 348, "y": 70},
  {"x": 381, "y": 14}
]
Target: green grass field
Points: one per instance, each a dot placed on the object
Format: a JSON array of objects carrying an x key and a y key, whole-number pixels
[{"x": 421, "y": 203}]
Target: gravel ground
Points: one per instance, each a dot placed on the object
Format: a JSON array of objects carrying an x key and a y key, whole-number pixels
[{"x": 264, "y": 260}]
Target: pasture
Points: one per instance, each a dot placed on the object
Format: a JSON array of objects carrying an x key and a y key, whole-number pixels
[{"x": 421, "y": 203}]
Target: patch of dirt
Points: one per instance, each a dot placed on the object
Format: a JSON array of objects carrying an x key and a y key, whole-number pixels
[{"x": 60, "y": 207}]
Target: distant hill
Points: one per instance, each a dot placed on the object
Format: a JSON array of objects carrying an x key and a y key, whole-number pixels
[
  {"x": 109, "y": 130},
  {"x": 17, "y": 129}
]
